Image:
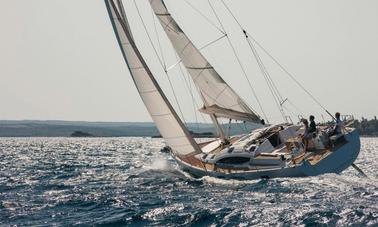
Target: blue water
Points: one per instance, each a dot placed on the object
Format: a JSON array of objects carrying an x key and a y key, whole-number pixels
[{"x": 127, "y": 181}]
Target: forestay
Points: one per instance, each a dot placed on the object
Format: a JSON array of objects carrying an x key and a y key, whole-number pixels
[
  {"x": 215, "y": 92},
  {"x": 166, "y": 119}
]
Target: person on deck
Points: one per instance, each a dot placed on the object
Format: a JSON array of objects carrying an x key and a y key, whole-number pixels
[
  {"x": 312, "y": 129},
  {"x": 338, "y": 128},
  {"x": 306, "y": 135}
]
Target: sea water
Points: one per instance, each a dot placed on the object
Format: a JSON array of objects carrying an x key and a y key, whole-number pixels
[{"x": 128, "y": 182}]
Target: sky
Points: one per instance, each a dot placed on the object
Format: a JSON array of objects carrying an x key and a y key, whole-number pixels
[{"x": 59, "y": 59}]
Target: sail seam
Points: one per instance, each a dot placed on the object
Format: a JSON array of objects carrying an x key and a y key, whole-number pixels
[
  {"x": 182, "y": 55},
  {"x": 199, "y": 68},
  {"x": 161, "y": 115},
  {"x": 214, "y": 100},
  {"x": 147, "y": 92},
  {"x": 198, "y": 75},
  {"x": 220, "y": 93},
  {"x": 136, "y": 68},
  {"x": 167, "y": 25},
  {"x": 162, "y": 14}
]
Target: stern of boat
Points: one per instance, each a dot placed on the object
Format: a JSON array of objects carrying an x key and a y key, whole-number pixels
[{"x": 337, "y": 160}]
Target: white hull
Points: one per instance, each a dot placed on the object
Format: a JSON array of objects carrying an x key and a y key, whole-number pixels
[{"x": 336, "y": 162}]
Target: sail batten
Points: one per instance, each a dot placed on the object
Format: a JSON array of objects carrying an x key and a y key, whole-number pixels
[
  {"x": 215, "y": 91},
  {"x": 166, "y": 119}
]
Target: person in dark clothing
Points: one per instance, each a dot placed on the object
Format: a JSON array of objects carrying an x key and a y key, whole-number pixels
[{"x": 312, "y": 128}]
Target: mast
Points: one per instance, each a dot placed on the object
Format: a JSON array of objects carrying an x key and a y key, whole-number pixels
[
  {"x": 217, "y": 126},
  {"x": 165, "y": 117}
]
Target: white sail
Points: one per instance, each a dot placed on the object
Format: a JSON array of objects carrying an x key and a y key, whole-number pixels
[
  {"x": 166, "y": 119},
  {"x": 214, "y": 90}
]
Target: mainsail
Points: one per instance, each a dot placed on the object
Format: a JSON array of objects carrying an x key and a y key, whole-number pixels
[
  {"x": 219, "y": 98},
  {"x": 166, "y": 119}
]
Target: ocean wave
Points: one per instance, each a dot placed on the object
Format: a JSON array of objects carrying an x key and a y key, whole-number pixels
[{"x": 127, "y": 181}]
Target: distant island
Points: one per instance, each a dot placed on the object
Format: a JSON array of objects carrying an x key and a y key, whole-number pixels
[
  {"x": 32, "y": 128},
  {"x": 196, "y": 135},
  {"x": 81, "y": 134},
  {"x": 132, "y": 129}
]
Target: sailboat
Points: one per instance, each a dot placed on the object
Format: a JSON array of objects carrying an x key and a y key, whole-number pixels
[{"x": 270, "y": 151}]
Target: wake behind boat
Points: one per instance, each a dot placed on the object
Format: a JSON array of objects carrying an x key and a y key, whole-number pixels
[{"x": 268, "y": 152}]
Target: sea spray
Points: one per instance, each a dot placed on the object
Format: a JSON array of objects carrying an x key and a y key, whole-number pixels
[
  {"x": 157, "y": 163},
  {"x": 230, "y": 182}
]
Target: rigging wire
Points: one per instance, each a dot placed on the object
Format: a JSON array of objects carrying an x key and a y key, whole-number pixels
[
  {"x": 203, "y": 47},
  {"x": 291, "y": 76},
  {"x": 239, "y": 61},
  {"x": 205, "y": 17},
  {"x": 156, "y": 52},
  {"x": 225, "y": 35},
  {"x": 270, "y": 80},
  {"x": 222, "y": 125},
  {"x": 195, "y": 104},
  {"x": 277, "y": 62},
  {"x": 188, "y": 85},
  {"x": 229, "y": 10},
  {"x": 295, "y": 107},
  {"x": 242, "y": 129},
  {"x": 212, "y": 42},
  {"x": 245, "y": 127},
  {"x": 148, "y": 34},
  {"x": 158, "y": 39},
  {"x": 273, "y": 89}
]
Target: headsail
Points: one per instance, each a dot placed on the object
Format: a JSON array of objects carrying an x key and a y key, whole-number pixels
[
  {"x": 166, "y": 119},
  {"x": 214, "y": 90}
]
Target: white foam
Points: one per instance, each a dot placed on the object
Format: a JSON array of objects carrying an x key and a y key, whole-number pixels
[
  {"x": 214, "y": 180},
  {"x": 159, "y": 163}
]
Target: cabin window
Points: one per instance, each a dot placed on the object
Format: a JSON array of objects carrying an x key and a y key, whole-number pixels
[
  {"x": 274, "y": 140},
  {"x": 234, "y": 160}
]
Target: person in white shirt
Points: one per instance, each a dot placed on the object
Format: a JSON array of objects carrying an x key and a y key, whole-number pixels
[{"x": 338, "y": 128}]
